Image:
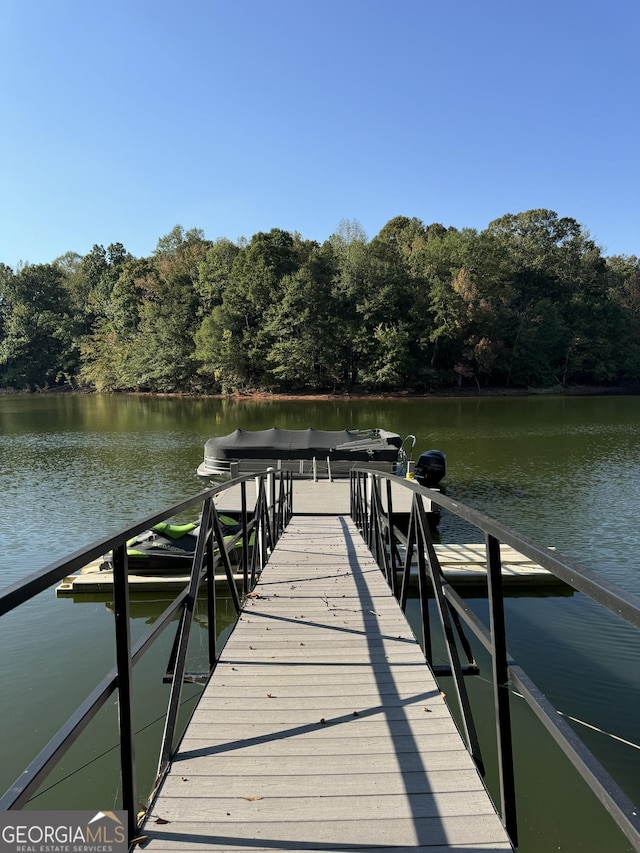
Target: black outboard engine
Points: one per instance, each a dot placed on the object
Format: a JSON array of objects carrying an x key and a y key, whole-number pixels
[{"x": 430, "y": 468}]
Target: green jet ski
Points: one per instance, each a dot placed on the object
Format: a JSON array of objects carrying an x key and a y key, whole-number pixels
[{"x": 169, "y": 548}]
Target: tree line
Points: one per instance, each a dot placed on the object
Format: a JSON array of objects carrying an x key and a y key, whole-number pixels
[{"x": 530, "y": 301}]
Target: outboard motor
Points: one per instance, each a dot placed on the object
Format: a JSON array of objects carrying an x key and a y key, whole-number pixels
[{"x": 431, "y": 468}]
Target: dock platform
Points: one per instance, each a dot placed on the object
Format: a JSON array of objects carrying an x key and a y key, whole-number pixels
[
  {"x": 322, "y": 728},
  {"x": 462, "y": 564}
]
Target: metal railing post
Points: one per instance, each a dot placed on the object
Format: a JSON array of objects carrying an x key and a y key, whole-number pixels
[
  {"x": 182, "y": 638},
  {"x": 218, "y": 537},
  {"x": 245, "y": 536},
  {"x": 500, "y": 665},
  {"x": 423, "y": 591},
  {"x": 125, "y": 686},
  {"x": 212, "y": 621},
  {"x": 438, "y": 582},
  {"x": 362, "y": 503},
  {"x": 391, "y": 541},
  {"x": 271, "y": 502},
  {"x": 259, "y": 522}
]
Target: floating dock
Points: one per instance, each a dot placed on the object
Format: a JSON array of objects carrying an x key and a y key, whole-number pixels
[
  {"x": 461, "y": 564},
  {"x": 322, "y": 728}
]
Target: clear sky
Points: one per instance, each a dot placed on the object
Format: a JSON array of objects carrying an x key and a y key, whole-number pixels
[{"x": 121, "y": 119}]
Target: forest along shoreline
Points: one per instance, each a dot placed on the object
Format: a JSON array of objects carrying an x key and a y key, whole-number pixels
[{"x": 530, "y": 302}]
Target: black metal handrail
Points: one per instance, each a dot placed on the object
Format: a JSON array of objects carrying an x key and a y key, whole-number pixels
[
  {"x": 385, "y": 541},
  {"x": 264, "y": 524}
]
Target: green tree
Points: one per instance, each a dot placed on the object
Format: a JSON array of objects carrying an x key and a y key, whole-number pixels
[
  {"x": 385, "y": 307},
  {"x": 169, "y": 314},
  {"x": 214, "y": 274},
  {"x": 91, "y": 282},
  {"x": 624, "y": 278},
  {"x": 239, "y": 358},
  {"x": 350, "y": 249},
  {"x": 106, "y": 360},
  {"x": 109, "y": 351},
  {"x": 558, "y": 281},
  {"x": 305, "y": 350},
  {"x": 39, "y": 335}
]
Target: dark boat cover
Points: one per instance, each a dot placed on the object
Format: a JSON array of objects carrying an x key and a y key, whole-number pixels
[{"x": 277, "y": 443}]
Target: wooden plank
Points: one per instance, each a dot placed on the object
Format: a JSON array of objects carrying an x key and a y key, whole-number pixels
[
  {"x": 221, "y": 833},
  {"x": 323, "y": 785},
  {"x": 251, "y": 807},
  {"x": 318, "y": 758},
  {"x": 243, "y": 690},
  {"x": 322, "y": 727}
]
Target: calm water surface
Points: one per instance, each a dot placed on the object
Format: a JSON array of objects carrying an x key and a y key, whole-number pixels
[{"x": 564, "y": 471}]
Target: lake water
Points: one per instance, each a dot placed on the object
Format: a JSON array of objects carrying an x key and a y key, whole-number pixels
[{"x": 565, "y": 471}]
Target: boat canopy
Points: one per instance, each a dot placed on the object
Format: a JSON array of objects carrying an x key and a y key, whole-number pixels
[{"x": 274, "y": 443}]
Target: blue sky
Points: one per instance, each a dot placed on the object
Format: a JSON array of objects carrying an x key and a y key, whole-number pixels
[{"x": 123, "y": 119}]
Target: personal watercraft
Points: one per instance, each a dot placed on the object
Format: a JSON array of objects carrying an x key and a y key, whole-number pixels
[{"x": 169, "y": 548}]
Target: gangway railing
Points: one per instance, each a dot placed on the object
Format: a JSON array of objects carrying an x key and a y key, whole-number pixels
[
  {"x": 260, "y": 525},
  {"x": 398, "y": 552}
]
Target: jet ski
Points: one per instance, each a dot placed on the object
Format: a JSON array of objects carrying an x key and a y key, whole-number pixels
[{"x": 168, "y": 548}]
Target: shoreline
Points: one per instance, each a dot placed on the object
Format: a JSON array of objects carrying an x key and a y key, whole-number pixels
[{"x": 453, "y": 393}]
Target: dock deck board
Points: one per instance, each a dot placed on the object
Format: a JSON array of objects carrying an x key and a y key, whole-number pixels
[{"x": 322, "y": 727}]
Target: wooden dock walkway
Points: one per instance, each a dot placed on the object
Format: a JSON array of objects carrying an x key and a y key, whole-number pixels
[{"x": 322, "y": 727}]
